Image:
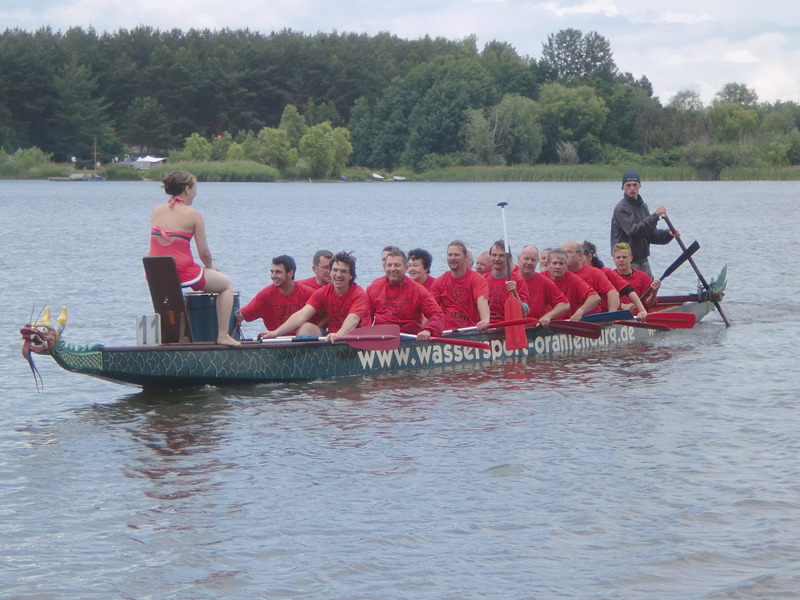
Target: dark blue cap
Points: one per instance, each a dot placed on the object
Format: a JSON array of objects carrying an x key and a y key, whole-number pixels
[{"x": 631, "y": 176}]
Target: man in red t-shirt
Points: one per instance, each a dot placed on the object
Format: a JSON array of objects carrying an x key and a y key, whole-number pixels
[
  {"x": 321, "y": 267},
  {"x": 500, "y": 286},
  {"x": 343, "y": 301},
  {"x": 419, "y": 267},
  {"x": 461, "y": 292},
  {"x": 581, "y": 296},
  {"x": 545, "y": 300},
  {"x": 638, "y": 280},
  {"x": 278, "y": 301},
  {"x": 398, "y": 299},
  {"x": 632, "y": 301},
  {"x": 609, "y": 296}
]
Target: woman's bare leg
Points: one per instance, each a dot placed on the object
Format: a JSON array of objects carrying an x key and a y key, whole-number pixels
[{"x": 221, "y": 284}]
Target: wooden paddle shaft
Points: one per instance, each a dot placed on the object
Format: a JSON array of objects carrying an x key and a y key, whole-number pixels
[{"x": 697, "y": 270}]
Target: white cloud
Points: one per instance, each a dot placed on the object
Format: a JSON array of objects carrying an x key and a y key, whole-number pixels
[
  {"x": 684, "y": 18},
  {"x": 591, "y": 7},
  {"x": 741, "y": 56}
]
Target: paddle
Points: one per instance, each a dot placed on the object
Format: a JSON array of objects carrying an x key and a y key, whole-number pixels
[
  {"x": 516, "y": 339},
  {"x": 576, "y": 328},
  {"x": 675, "y": 320},
  {"x": 372, "y": 337},
  {"x": 694, "y": 247},
  {"x": 696, "y": 270},
  {"x": 634, "y": 323},
  {"x": 452, "y": 342},
  {"x": 614, "y": 315}
]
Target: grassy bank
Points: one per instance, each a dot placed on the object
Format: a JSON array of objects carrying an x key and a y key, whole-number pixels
[{"x": 233, "y": 171}]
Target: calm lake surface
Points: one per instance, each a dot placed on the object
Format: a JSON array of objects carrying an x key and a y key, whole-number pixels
[{"x": 669, "y": 469}]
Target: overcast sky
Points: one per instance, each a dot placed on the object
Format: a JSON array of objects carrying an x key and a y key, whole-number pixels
[{"x": 679, "y": 45}]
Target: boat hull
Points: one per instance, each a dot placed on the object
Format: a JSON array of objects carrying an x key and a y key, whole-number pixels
[{"x": 188, "y": 365}]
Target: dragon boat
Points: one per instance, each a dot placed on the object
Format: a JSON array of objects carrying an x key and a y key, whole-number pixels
[{"x": 178, "y": 362}]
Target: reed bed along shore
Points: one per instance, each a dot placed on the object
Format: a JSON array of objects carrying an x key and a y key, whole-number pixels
[{"x": 246, "y": 171}]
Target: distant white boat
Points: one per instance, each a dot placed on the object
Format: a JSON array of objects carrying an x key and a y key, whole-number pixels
[
  {"x": 399, "y": 178},
  {"x": 376, "y": 177}
]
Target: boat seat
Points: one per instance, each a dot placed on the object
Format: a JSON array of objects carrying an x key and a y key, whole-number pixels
[{"x": 168, "y": 300}]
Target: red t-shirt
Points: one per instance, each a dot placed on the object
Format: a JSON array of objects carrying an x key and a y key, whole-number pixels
[
  {"x": 458, "y": 298},
  {"x": 543, "y": 295},
  {"x": 272, "y": 307},
  {"x": 498, "y": 292},
  {"x": 576, "y": 290},
  {"x": 406, "y": 304},
  {"x": 428, "y": 282},
  {"x": 638, "y": 280},
  {"x": 310, "y": 283},
  {"x": 599, "y": 282},
  {"x": 354, "y": 301}
]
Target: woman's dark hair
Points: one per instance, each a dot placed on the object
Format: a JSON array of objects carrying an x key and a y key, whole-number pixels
[
  {"x": 176, "y": 182},
  {"x": 423, "y": 255}
]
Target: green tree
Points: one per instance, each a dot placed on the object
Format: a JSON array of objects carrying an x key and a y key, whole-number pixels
[
  {"x": 25, "y": 159},
  {"x": 235, "y": 152},
  {"x": 732, "y": 122},
  {"x": 511, "y": 73},
  {"x": 342, "y": 149},
  {"x": 317, "y": 148},
  {"x": 276, "y": 149},
  {"x": 685, "y": 119},
  {"x": 362, "y": 131},
  {"x": 569, "y": 114},
  {"x": 220, "y": 145},
  {"x": 423, "y": 112},
  {"x": 147, "y": 126},
  {"x": 196, "y": 148},
  {"x": 293, "y": 124},
  {"x": 479, "y": 143},
  {"x": 80, "y": 117},
  {"x": 632, "y": 118},
  {"x": 714, "y": 158},
  {"x": 516, "y": 129},
  {"x": 574, "y": 55},
  {"x": 738, "y": 93}
]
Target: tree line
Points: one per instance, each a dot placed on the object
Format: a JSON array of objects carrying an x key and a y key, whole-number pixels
[{"x": 310, "y": 104}]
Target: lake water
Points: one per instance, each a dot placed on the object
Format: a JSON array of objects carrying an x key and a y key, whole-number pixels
[{"x": 669, "y": 469}]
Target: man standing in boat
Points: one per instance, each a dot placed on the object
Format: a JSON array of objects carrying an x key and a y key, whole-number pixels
[
  {"x": 398, "y": 299},
  {"x": 461, "y": 292},
  {"x": 501, "y": 286},
  {"x": 582, "y": 298},
  {"x": 279, "y": 300},
  {"x": 633, "y": 224},
  {"x": 321, "y": 267},
  {"x": 545, "y": 301},
  {"x": 342, "y": 300}
]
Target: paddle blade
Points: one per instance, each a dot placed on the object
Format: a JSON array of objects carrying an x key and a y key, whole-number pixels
[
  {"x": 375, "y": 337},
  {"x": 694, "y": 247},
  {"x": 643, "y": 325},
  {"x": 675, "y": 320},
  {"x": 614, "y": 315},
  {"x": 577, "y": 328},
  {"x": 516, "y": 339},
  {"x": 524, "y": 322}
]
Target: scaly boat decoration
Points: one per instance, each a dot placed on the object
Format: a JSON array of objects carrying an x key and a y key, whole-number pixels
[{"x": 366, "y": 351}]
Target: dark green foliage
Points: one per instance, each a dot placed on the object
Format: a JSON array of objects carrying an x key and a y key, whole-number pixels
[{"x": 223, "y": 95}]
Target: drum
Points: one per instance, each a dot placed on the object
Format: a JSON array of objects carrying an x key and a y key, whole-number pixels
[{"x": 202, "y": 309}]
